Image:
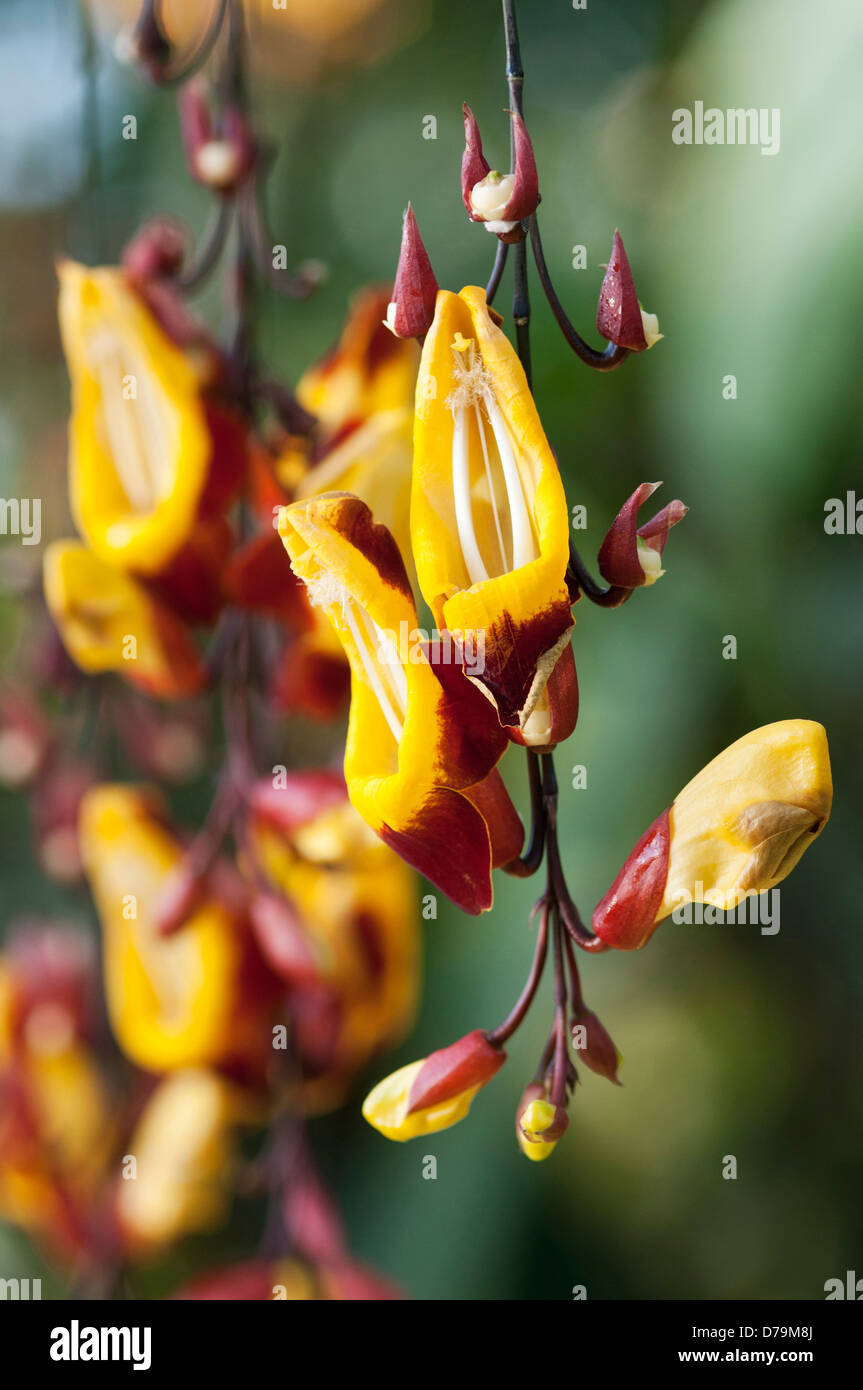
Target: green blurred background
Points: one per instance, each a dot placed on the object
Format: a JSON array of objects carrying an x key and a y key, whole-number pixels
[{"x": 734, "y": 1042}]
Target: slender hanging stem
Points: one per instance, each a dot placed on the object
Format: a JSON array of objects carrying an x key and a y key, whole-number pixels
[
  {"x": 210, "y": 250},
  {"x": 528, "y": 863},
  {"x": 491, "y": 288},
  {"x": 605, "y": 361},
  {"x": 610, "y": 597},
  {"x": 498, "y": 1036}
]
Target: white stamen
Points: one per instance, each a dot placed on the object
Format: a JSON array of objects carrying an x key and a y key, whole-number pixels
[
  {"x": 492, "y": 494},
  {"x": 371, "y": 670},
  {"x": 476, "y": 570},
  {"x": 523, "y": 548}
]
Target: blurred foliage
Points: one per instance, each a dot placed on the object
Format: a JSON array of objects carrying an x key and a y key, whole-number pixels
[{"x": 734, "y": 1043}]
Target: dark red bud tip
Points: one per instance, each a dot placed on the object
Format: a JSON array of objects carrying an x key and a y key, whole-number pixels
[
  {"x": 618, "y": 315},
  {"x": 196, "y": 126},
  {"x": 525, "y": 193},
  {"x": 470, "y": 1062},
  {"x": 625, "y": 917},
  {"x": 155, "y": 252},
  {"x": 474, "y": 166},
  {"x": 415, "y": 290},
  {"x": 594, "y": 1045},
  {"x": 655, "y": 532},
  {"x": 219, "y": 159},
  {"x": 618, "y": 555}
]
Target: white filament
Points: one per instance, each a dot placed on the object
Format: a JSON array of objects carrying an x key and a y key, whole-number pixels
[
  {"x": 523, "y": 549},
  {"x": 492, "y": 493},
  {"x": 476, "y": 570},
  {"x": 371, "y": 670},
  {"x": 134, "y": 426}
]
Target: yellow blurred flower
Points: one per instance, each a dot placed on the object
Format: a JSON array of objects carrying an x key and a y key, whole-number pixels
[
  {"x": 173, "y": 1001},
  {"x": 108, "y": 621},
  {"x": 139, "y": 442},
  {"x": 182, "y": 1150}
]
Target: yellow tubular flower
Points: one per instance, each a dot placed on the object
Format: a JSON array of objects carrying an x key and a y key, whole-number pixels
[
  {"x": 489, "y": 520},
  {"x": 744, "y": 821},
  {"x": 108, "y": 621},
  {"x": 172, "y": 1000},
  {"x": 537, "y": 1117},
  {"x": 419, "y": 738},
  {"x": 357, "y": 902},
  {"x": 368, "y": 371},
  {"x": 182, "y": 1147},
  {"x": 139, "y": 440},
  {"x": 434, "y": 1093},
  {"x": 739, "y": 827}
]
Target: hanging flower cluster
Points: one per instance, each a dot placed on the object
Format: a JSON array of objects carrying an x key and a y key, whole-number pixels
[
  {"x": 274, "y": 547},
  {"x": 491, "y": 549}
]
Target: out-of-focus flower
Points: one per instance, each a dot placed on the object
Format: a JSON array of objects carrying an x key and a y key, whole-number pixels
[
  {"x": 109, "y": 621},
  {"x": 24, "y": 738},
  {"x": 420, "y": 737},
  {"x": 411, "y": 310},
  {"x": 631, "y": 555},
  {"x": 539, "y": 1123},
  {"x": 291, "y": 1281},
  {"x": 368, "y": 370},
  {"x": 148, "y": 455},
  {"x": 298, "y": 41},
  {"x": 435, "y": 1092},
  {"x": 182, "y": 1147},
  {"x": 501, "y": 201},
  {"x": 55, "y": 1118},
  {"x": 739, "y": 827},
  {"x": 489, "y": 521},
  {"x": 54, "y": 805},
  {"x": 220, "y": 157},
  {"x": 344, "y": 935},
  {"x": 254, "y": 1281},
  {"x": 188, "y": 999},
  {"x": 619, "y": 316}
]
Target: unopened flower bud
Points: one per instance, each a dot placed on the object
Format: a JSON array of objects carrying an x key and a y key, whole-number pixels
[
  {"x": 738, "y": 827},
  {"x": 156, "y": 251},
  {"x": 594, "y": 1045},
  {"x": 219, "y": 159},
  {"x": 411, "y": 310},
  {"x": 539, "y": 1123},
  {"x": 434, "y": 1093},
  {"x": 631, "y": 555},
  {"x": 501, "y": 201},
  {"x": 619, "y": 316}
]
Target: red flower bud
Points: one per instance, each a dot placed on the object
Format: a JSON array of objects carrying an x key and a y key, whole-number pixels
[
  {"x": 412, "y": 307},
  {"x": 619, "y": 316},
  {"x": 525, "y": 193},
  {"x": 624, "y": 918},
  {"x": 464, "y": 1065},
  {"x": 501, "y": 201},
  {"x": 157, "y": 250},
  {"x": 594, "y": 1045},
  {"x": 474, "y": 166},
  {"x": 628, "y": 557},
  {"x": 218, "y": 159}
]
